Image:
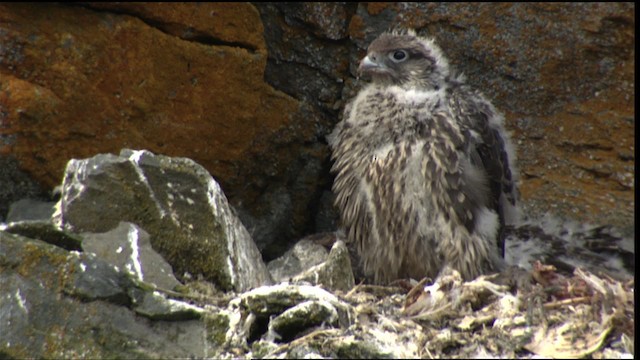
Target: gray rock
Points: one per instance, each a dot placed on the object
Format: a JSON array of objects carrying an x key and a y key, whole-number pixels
[
  {"x": 274, "y": 300},
  {"x": 30, "y": 209},
  {"x": 45, "y": 231},
  {"x": 304, "y": 254},
  {"x": 16, "y": 184},
  {"x": 128, "y": 247},
  {"x": 89, "y": 278},
  {"x": 156, "y": 306},
  {"x": 297, "y": 319},
  {"x": 334, "y": 274},
  {"x": 176, "y": 201},
  {"x": 308, "y": 262},
  {"x": 60, "y": 304}
]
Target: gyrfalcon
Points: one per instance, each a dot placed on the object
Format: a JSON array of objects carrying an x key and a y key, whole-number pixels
[{"x": 424, "y": 168}]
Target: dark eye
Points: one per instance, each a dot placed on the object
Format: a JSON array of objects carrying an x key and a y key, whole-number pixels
[{"x": 398, "y": 55}]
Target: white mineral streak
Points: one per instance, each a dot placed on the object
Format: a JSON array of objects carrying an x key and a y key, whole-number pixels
[
  {"x": 134, "y": 266},
  {"x": 135, "y": 158}
]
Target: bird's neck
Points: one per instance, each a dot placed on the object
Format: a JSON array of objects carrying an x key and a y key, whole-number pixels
[{"x": 418, "y": 95}]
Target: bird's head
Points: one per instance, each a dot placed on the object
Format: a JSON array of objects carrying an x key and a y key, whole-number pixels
[{"x": 404, "y": 59}]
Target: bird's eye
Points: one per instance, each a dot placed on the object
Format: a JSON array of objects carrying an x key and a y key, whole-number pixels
[{"x": 398, "y": 55}]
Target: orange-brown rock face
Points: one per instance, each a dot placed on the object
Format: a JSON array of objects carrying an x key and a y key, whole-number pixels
[{"x": 77, "y": 82}]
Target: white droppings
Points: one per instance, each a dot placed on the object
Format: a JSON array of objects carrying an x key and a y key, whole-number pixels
[
  {"x": 119, "y": 250},
  {"x": 83, "y": 267},
  {"x": 137, "y": 154},
  {"x": 190, "y": 201},
  {"x": 21, "y": 302},
  {"x": 134, "y": 267}
]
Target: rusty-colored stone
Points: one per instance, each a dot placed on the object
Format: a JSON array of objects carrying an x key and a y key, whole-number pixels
[
  {"x": 77, "y": 82},
  {"x": 224, "y": 22}
]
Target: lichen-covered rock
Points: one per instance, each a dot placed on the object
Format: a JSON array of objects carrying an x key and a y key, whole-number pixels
[
  {"x": 176, "y": 202},
  {"x": 269, "y": 300},
  {"x": 45, "y": 231},
  {"x": 57, "y": 303},
  {"x": 301, "y": 317},
  {"x": 60, "y": 304},
  {"x": 308, "y": 262}
]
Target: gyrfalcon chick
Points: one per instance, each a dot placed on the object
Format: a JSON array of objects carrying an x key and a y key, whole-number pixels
[{"x": 424, "y": 169}]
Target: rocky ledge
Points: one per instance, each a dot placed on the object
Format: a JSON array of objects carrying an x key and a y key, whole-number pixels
[{"x": 143, "y": 257}]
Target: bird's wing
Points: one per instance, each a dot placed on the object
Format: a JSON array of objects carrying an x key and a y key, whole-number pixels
[{"x": 488, "y": 150}]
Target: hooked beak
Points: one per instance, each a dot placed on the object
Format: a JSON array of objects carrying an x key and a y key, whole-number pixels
[{"x": 369, "y": 65}]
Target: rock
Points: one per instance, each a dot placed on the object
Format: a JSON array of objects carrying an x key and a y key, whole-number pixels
[
  {"x": 327, "y": 217},
  {"x": 215, "y": 22},
  {"x": 335, "y": 273},
  {"x": 45, "y": 231},
  {"x": 30, "y": 209},
  {"x": 272, "y": 300},
  {"x": 15, "y": 183},
  {"x": 89, "y": 278},
  {"x": 128, "y": 247},
  {"x": 301, "y": 317},
  {"x": 156, "y": 306},
  {"x": 296, "y": 307},
  {"x": 176, "y": 202},
  {"x": 57, "y": 304},
  {"x": 304, "y": 254},
  {"x": 308, "y": 263}
]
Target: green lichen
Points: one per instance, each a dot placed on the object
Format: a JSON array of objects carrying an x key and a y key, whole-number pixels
[{"x": 217, "y": 326}]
